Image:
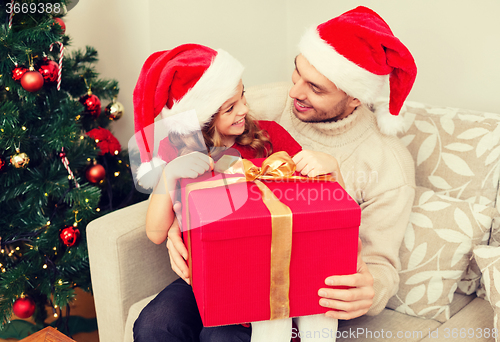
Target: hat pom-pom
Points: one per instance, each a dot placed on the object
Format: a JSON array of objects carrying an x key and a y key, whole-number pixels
[
  {"x": 148, "y": 174},
  {"x": 387, "y": 123}
]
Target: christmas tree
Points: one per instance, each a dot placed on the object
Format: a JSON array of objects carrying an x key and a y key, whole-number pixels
[{"x": 60, "y": 168}]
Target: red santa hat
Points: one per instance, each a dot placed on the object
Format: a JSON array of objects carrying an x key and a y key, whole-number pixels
[
  {"x": 358, "y": 52},
  {"x": 189, "y": 81}
]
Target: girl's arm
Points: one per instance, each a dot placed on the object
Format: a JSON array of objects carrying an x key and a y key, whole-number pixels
[
  {"x": 314, "y": 163},
  {"x": 160, "y": 215},
  {"x": 178, "y": 252}
]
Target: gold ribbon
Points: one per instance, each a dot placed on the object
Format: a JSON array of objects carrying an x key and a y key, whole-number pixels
[{"x": 278, "y": 166}]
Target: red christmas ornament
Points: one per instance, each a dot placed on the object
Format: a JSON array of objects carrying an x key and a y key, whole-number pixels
[
  {"x": 61, "y": 23},
  {"x": 24, "y": 307},
  {"x": 91, "y": 103},
  {"x": 18, "y": 73},
  {"x": 95, "y": 173},
  {"x": 49, "y": 71},
  {"x": 32, "y": 81},
  {"x": 42, "y": 61},
  {"x": 69, "y": 235},
  {"x": 2, "y": 163}
]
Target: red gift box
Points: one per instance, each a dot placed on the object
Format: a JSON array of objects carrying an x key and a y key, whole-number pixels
[{"x": 229, "y": 243}]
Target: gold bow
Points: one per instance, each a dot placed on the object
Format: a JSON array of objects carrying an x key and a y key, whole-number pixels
[{"x": 277, "y": 166}]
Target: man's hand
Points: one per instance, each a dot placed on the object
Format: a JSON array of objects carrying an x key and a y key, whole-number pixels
[
  {"x": 314, "y": 163},
  {"x": 352, "y": 302},
  {"x": 177, "y": 252}
]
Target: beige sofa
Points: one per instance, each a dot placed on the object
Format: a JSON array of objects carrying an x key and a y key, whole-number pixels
[{"x": 456, "y": 156}]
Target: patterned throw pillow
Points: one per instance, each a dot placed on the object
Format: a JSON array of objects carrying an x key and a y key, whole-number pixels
[
  {"x": 436, "y": 250},
  {"x": 495, "y": 242},
  {"x": 456, "y": 151},
  {"x": 488, "y": 259},
  {"x": 495, "y": 231}
]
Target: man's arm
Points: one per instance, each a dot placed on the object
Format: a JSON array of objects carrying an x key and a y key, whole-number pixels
[
  {"x": 383, "y": 223},
  {"x": 353, "y": 302}
]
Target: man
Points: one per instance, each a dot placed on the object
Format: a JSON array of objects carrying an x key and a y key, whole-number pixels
[{"x": 342, "y": 66}]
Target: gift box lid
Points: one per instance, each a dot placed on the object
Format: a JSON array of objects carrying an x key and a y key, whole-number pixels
[{"x": 237, "y": 210}]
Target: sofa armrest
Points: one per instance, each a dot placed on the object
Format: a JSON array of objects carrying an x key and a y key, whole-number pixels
[{"x": 125, "y": 267}]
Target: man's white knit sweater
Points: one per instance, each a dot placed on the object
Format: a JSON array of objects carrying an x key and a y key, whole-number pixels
[{"x": 377, "y": 169}]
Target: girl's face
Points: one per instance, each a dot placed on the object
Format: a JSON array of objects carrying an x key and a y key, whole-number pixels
[{"x": 230, "y": 121}]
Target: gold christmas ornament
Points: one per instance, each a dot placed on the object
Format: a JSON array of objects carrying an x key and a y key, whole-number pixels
[
  {"x": 19, "y": 160},
  {"x": 114, "y": 110}
]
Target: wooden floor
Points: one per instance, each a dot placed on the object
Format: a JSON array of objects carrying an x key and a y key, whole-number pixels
[{"x": 83, "y": 306}]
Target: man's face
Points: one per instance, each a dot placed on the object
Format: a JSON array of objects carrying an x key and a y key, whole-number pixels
[{"x": 316, "y": 98}]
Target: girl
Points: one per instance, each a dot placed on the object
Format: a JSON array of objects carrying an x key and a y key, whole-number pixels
[
  {"x": 186, "y": 154},
  {"x": 175, "y": 82}
]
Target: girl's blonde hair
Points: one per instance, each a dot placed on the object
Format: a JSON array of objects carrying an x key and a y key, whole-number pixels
[{"x": 210, "y": 139}]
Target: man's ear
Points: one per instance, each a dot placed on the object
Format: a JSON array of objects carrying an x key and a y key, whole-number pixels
[{"x": 354, "y": 102}]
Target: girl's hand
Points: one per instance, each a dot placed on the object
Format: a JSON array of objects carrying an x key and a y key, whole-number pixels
[
  {"x": 315, "y": 163},
  {"x": 177, "y": 252},
  {"x": 189, "y": 166}
]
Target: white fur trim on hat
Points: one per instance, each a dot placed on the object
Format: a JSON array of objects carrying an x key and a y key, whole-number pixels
[
  {"x": 214, "y": 87},
  {"x": 149, "y": 173},
  {"x": 181, "y": 123},
  {"x": 347, "y": 76},
  {"x": 387, "y": 123}
]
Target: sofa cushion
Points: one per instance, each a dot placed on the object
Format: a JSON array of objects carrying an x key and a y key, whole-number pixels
[
  {"x": 133, "y": 314},
  {"x": 392, "y": 325},
  {"x": 436, "y": 250},
  {"x": 488, "y": 260},
  {"x": 473, "y": 323},
  {"x": 456, "y": 151},
  {"x": 386, "y": 326}
]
